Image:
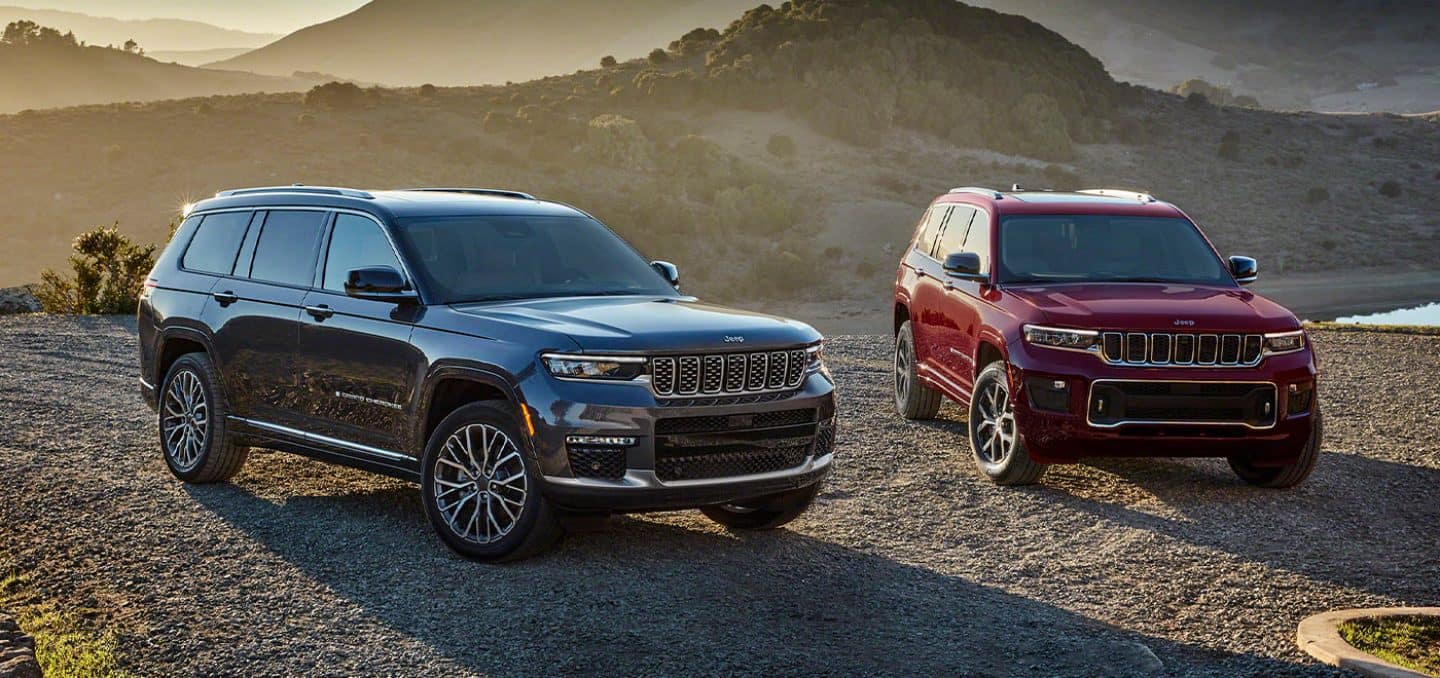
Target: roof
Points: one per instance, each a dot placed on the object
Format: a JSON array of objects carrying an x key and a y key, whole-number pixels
[
  {"x": 391, "y": 204},
  {"x": 1092, "y": 201}
]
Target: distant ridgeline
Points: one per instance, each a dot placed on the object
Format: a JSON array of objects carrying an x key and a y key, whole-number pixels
[{"x": 857, "y": 68}]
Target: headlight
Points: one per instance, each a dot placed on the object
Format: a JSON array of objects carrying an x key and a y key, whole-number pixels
[
  {"x": 816, "y": 354},
  {"x": 1055, "y": 337},
  {"x": 609, "y": 368},
  {"x": 1284, "y": 342}
]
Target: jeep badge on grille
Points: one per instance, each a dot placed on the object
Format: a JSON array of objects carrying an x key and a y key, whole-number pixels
[{"x": 734, "y": 340}]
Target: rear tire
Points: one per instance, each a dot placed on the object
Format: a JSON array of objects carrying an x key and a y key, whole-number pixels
[
  {"x": 913, "y": 399},
  {"x": 995, "y": 441},
  {"x": 765, "y": 513},
  {"x": 194, "y": 438},
  {"x": 1290, "y": 475},
  {"x": 481, "y": 491}
]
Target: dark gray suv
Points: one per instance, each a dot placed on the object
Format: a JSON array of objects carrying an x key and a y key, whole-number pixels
[{"x": 514, "y": 356}]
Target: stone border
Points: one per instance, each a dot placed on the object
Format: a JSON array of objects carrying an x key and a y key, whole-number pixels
[
  {"x": 1319, "y": 635},
  {"x": 17, "y": 651}
]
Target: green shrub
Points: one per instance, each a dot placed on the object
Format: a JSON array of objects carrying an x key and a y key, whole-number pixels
[
  {"x": 336, "y": 95},
  {"x": 658, "y": 56},
  {"x": 108, "y": 274},
  {"x": 619, "y": 141},
  {"x": 781, "y": 146}
]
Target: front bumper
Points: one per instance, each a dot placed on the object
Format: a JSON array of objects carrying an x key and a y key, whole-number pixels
[
  {"x": 630, "y": 411},
  {"x": 1070, "y": 435}
]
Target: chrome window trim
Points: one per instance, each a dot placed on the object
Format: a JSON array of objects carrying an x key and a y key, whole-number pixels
[
  {"x": 326, "y": 440},
  {"x": 1090, "y": 397}
]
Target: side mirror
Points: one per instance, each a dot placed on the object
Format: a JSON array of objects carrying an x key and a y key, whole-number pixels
[
  {"x": 965, "y": 265},
  {"x": 668, "y": 271},
  {"x": 378, "y": 283},
  {"x": 1244, "y": 269}
]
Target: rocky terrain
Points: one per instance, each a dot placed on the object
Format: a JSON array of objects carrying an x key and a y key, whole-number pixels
[{"x": 909, "y": 563}]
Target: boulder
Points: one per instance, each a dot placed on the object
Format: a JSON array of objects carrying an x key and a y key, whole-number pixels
[
  {"x": 18, "y": 300},
  {"x": 17, "y": 651}
]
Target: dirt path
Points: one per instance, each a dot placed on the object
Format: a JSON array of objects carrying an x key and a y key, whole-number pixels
[{"x": 908, "y": 564}]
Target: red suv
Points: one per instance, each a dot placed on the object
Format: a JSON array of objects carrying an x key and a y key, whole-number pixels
[{"x": 1094, "y": 324}]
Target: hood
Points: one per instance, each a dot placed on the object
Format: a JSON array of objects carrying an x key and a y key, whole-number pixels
[
  {"x": 632, "y": 324},
  {"x": 1156, "y": 307}
]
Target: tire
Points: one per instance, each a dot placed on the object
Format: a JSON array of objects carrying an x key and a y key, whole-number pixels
[
  {"x": 913, "y": 400},
  {"x": 765, "y": 513},
  {"x": 995, "y": 441},
  {"x": 481, "y": 491},
  {"x": 1290, "y": 475},
  {"x": 194, "y": 438}
]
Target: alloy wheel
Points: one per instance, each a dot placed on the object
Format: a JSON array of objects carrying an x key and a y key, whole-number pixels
[
  {"x": 995, "y": 434},
  {"x": 480, "y": 483},
  {"x": 185, "y": 420},
  {"x": 902, "y": 371}
]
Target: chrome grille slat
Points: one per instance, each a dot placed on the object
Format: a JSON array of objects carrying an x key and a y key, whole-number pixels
[
  {"x": 1163, "y": 349},
  {"x": 714, "y": 374}
]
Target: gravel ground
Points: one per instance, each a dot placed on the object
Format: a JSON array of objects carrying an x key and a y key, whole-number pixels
[{"x": 909, "y": 563}]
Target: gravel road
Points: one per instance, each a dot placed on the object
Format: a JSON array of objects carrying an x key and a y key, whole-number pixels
[{"x": 909, "y": 563}]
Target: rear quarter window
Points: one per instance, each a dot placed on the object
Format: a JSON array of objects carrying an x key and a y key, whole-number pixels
[
  {"x": 286, "y": 251},
  {"x": 216, "y": 242}
]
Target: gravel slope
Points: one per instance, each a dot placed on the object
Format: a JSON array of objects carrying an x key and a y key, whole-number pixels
[{"x": 908, "y": 564}]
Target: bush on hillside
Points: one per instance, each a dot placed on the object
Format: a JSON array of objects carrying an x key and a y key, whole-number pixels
[
  {"x": 781, "y": 146},
  {"x": 336, "y": 95},
  {"x": 428, "y": 90},
  {"x": 1214, "y": 94},
  {"x": 608, "y": 62},
  {"x": 619, "y": 141},
  {"x": 107, "y": 275},
  {"x": 658, "y": 56}
]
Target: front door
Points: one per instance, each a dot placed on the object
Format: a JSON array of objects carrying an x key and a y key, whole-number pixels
[{"x": 358, "y": 368}]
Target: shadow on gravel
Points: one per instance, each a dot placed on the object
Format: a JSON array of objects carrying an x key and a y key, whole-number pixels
[
  {"x": 652, "y": 597},
  {"x": 1358, "y": 522}
]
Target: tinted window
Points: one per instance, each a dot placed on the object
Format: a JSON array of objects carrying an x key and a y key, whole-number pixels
[
  {"x": 355, "y": 242},
  {"x": 1107, "y": 249},
  {"x": 954, "y": 236},
  {"x": 931, "y": 229},
  {"x": 286, "y": 251},
  {"x": 978, "y": 240},
  {"x": 486, "y": 258},
  {"x": 215, "y": 244}
]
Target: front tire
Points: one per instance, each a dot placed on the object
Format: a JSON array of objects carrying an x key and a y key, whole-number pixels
[
  {"x": 995, "y": 441},
  {"x": 1290, "y": 475},
  {"x": 766, "y": 513},
  {"x": 193, "y": 433},
  {"x": 480, "y": 491},
  {"x": 913, "y": 399}
]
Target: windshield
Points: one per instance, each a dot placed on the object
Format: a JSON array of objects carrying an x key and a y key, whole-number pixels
[
  {"x": 490, "y": 258},
  {"x": 1098, "y": 248}
]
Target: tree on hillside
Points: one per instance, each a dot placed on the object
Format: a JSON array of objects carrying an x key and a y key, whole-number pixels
[
  {"x": 31, "y": 34},
  {"x": 133, "y": 47},
  {"x": 608, "y": 62}
]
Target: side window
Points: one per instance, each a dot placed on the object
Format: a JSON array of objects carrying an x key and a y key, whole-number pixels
[
  {"x": 216, "y": 242},
  {"x": 953, "y": 239},
  {"x": 286, "y": 250},
  {"x": 925, "y": 244},
  {"x": 355, "y": 242},
  {"x": 979, "y": 239}
]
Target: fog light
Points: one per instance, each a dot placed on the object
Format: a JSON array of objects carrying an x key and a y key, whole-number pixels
[
  {"x": 606, "y": 441},
  {"x": 1300, "y": 397},
  {"x": 1050, "y": 395}
]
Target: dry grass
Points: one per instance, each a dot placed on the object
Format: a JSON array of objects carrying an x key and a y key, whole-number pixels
[{"x": 67, "y": 644}]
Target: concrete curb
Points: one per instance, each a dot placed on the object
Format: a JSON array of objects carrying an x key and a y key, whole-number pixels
[
  {"x": 17, "y": 651},
  {"x": 1319, "y": 636}
]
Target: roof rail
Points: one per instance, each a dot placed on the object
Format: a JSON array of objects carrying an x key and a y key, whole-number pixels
[
  {"x": 297, "y": 188},
  {"x": 498, "y": 192},
  {"x": 980, "y": 190},
  {"x": 1141, "y": 196}
]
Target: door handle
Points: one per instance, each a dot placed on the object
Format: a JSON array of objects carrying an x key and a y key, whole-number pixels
[
  {"x": 320, "y": 312},
  {"x": 225, "y": 298}
]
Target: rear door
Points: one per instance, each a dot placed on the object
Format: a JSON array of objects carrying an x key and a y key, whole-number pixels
[
  {"x": 926, "y": 294},
  {"x": 358, "y": 368},
  {"x": 256, "y": 314}
]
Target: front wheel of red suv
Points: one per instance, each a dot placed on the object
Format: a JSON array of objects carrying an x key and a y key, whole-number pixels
[
  {"x": 1290, "y": 475},
  {"x": 995, "y": 442}
]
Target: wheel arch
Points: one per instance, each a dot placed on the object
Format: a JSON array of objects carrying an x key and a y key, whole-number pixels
[
  {"x": 174, "y": 343},
  {"x": 450, "y": 387},
  {"x": 902, "y": 316}
]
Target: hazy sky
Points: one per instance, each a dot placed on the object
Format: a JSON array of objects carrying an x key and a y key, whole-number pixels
[{"x": 261, "y": 16}]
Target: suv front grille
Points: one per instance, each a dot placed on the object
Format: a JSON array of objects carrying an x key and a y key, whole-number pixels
[
  {"x": 728, "y": 373},
  {"x": 693, "y": 448},
  {"x": 1181, "y": 350}
]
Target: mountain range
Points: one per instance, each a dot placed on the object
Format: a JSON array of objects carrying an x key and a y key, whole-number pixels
[{"x": 152, "y": 34}]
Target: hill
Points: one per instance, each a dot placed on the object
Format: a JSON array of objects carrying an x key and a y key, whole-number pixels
[
  {"x": 195, "y": 57},
  {"x": 43, "y": 68},
  {"x": 152, "y": 34},
  {"x": 784, "y": 158},
  {"x": 1333, "y": 55},
  {"x": 264, "y": 16},
  {"x": 464, "y": 42}
]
